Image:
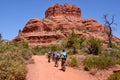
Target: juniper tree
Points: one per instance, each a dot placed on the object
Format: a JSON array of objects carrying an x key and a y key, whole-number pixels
[{"x": 72, "y": 42}]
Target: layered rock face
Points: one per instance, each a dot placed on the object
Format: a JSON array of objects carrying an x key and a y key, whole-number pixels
[
  {"x": 64, "y": 10},
  {"x": 59, "y": 21}
]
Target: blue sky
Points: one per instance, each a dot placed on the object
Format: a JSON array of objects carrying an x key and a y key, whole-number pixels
[{"x": 14, "y": 14}]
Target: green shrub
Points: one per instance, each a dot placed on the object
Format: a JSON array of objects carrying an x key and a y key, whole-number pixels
[
  {"x": 115, "y": 76},
  {"x": 36, "y": 50},
  {"x": 101, "y": 62},
  {"x": 21, "y": 45},
  {"x": 70, "y": 52},
  {"x": 39, "y": 50},
  {"x": 72, "y": 42},
  {"x": 55, "y": 48},
  {"x": 113, "y": 53},
  {"x": 64, "y": 42},
  {"x": 12, "y": 61},
  {"x": 89, "y": 63},
  {"x": 113, "y": 45},
  {"x": 12, "y": 70},
  {"x": 12, "y": 66},
  {"x": 81, "y": 41},
  {"x": 74, "y": 62},
  {"x": 26, "y": 54},
  {"x": 93, "y": 46},
  {"x": 3, "y": 47}
]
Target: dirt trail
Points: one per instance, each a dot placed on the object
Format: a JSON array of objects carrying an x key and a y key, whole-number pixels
[{"x": 42, "y": 70}]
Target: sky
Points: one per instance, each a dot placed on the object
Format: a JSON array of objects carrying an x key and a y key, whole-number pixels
[{"x": 14, "y": 14}]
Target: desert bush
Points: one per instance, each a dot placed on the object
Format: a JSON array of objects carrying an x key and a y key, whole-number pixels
[
  {"x": 12, "y": 66},
  {"x": 72, "y": 42},
  {"x": 22, "y": 49},
  {"x": 12, "y": 70},
  {"x": 55, "y": 48},
  {"x": 39, "y": 50},
  {"x": 113, "y": 53},
  {"x": 81, "y": 41},
  {"x": 115, "y": 76},
  {"x": 26, "y": 53},
  {"x": 36, "y": 50},
  {"x": 3, "y": 47},
  {"x": 113, "y": 45},
  {"x": 70, "y": 52},
  {"x": 21, "y": 45},
  {"x": 13, "y": 61},
  {"x": 100, "y": 62},
  {"x": 93, "y": 46},
  {"x": 73, "y": 61}
]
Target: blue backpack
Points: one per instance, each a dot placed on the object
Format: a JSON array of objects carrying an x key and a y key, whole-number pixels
[
  {"x": 64, "y": 55},
  {"x": 57, "y": 55}
]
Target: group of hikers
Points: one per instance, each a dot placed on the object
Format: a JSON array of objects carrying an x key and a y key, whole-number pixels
[{"x": 56, "y": 56}]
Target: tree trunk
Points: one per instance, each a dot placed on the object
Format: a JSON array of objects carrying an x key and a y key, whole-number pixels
[
  {"x": 74, "y": 50},
  {"x": 109, "y": 37}
]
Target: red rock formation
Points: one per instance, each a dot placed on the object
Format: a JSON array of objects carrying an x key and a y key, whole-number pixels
[
  {"x": 59, "y": 21},
  {"x": 35, "y": 25},
  {"x": 64, "y": 10}
]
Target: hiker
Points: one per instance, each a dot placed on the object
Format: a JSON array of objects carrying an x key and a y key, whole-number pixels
[
  {"x": 57, "y": 57},
  {"x": 53, "y": 56},
  {"x": 49, "y": 56},
  {"x": 64, "y": 57}
]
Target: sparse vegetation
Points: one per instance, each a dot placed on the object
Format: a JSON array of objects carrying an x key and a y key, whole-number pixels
[
  {"x": 55, "y": 48},
  {"x": 39, "y": 50},
  {"x": 13, "y": 60},
  {"x": 100, "y": 62},
  {"x": 72, "y": 42},
  {"x": 93, "y": 46},
  {"x": 73, "y": 62},
  {"x": 113, "y": 45},
  {"x": 81, "y": 41},
  {"x": 115, "y": 76},
  {"x": 113, "y": 53}
]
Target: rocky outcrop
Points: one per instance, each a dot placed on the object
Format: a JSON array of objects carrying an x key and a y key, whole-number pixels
[
  {"x": 64, "y": 10},
  {"x": 59, "y": 22},
  {"x": 35, "y": 25}
]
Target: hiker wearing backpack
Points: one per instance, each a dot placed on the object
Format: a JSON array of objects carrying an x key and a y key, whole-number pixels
[
  {"x": 53, "y": 56},
  {"x": 57, "y": 57},
  {"x": 64, "y": 57},
  {"x": 49, "y": 56}
]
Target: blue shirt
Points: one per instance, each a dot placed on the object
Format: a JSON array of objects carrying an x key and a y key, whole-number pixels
[
  {"x": 64, "y": 55},
  {"x": 57, "y": 55}
]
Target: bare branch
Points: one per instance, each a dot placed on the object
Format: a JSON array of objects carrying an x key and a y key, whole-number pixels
[
  {"x": 108, "y": 24},
  {"x": 112, "y": 22},
  {"x": 105, "y": 19}
]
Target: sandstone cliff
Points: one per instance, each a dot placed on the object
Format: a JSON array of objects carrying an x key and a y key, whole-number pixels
[{"x": 57, "y": 25}]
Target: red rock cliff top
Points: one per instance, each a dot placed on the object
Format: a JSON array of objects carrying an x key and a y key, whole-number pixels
[{"x": 66, "y": 10}]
